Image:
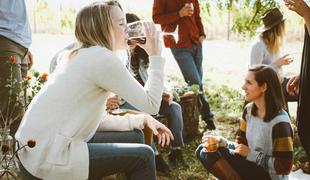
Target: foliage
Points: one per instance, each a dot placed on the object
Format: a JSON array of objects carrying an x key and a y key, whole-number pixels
[
  {"x": 246, "y": 14},
  {"x": 16, "y": 93},
  {"x": 16, "y": 99},
  {"x": 34, "y": 83},
  {"x": 181, "y": 90},
  {"x": 226, "y": 101},
  {"x": 66, "y": 19}
]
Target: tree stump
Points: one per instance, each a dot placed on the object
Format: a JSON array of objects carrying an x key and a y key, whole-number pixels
[{"x": 191, "y": 105}]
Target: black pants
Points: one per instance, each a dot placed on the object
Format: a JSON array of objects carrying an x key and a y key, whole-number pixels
[
  {"x": 247, "y": 170},
  {"x": 303, "y": 112}
]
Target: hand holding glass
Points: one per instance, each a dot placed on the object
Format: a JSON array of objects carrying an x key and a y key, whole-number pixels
[
  {"x": 137, "y": 33},
  {"x": 189, "y": 5},
  {"x": 210, "y": 141}
]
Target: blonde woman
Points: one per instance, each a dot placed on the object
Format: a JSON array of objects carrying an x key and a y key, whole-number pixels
[
  {"x": 267, "y": 48},
  {"x": 70, "y": 108}
]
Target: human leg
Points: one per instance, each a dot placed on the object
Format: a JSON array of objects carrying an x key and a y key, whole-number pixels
[
  {"x": 161, "y": 164},
  {"x": 135, "y": 136},
  {"x": 12, "y": 99},
  {"x": 173, "y": 112},
  {"x": 189, "y": 62},
  {"x": 136, "y": 160},
  {"x": 224, "y": 164}
]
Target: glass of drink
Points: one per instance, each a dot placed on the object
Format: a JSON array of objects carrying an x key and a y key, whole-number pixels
[
  {"x": 137, "y": 33},
  {"x": 211, "y": 143},
  {"x": 190, "y": 5}
]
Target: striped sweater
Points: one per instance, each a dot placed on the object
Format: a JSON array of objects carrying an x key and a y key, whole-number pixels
[{"x": 270, "y": 143}]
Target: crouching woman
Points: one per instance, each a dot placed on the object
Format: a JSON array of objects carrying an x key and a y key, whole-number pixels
[{"x": 263, "y": 148}]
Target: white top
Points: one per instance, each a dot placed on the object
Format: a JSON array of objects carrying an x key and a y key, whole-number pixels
[
  {"x": 261, "y": 55},
  {"x": 70, "y": 107},
  {"x": 14, "y": 24}
]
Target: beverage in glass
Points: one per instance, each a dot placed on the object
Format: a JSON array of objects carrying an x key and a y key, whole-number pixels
[{"x": 137, "y": 33}]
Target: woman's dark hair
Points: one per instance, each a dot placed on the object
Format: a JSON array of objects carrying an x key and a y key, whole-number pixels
[
  {"x": 137, "y": 53},
  {"x": 274, "y": 99}
]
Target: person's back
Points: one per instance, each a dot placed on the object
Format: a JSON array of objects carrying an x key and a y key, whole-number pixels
[{"x": 67, "y": 115}]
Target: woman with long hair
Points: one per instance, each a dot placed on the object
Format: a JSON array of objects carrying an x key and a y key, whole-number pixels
[
  {"x": 267, "y": 47},
  {"x": 138, "y": 64},
  {"x": 263, "y": 148},
  {"x": 67, "y": 113}
]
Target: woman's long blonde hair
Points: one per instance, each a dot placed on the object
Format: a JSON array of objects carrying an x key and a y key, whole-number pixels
[
  {"x": 274, "y": 38},
  {"x": 93, "y": 25}
]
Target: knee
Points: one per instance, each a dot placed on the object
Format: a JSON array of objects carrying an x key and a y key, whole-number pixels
[
  {"x": 207, "y": 158},
  {"x": 175, "y": 107},
  {"x": 198, "y": 150},
  {"x": 146, "y": 153}
]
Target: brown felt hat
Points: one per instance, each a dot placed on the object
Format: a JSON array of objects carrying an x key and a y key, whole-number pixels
[{"x": 271, "y": 18}]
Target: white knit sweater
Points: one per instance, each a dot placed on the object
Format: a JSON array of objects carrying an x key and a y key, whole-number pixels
[
  {"x": 68, "y": 110},
  {"x": 261, "y": 55}
]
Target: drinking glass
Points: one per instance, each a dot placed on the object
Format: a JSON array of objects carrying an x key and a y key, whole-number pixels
[
  {"x": 137, "y": 33},
  {"x": 212, "y": 144},
  {"x": 190, "y": 5}
]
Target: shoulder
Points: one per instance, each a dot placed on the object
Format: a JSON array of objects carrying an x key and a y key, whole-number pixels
[
  {"x": 96, "y": 55},
  {"x": 281, "y": 125},
  {"x": 247, "y": 111},
  {"x": 281, "y": 117},
  {"x": 258, "y": 43}
]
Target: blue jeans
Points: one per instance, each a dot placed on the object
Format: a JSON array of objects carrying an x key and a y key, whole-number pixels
[
  {"x": 245, "y": 168},
  {"x": 173, "y": 112},
  {"x": 190, "y": 64},
  {"x": 110, "y": 153}
]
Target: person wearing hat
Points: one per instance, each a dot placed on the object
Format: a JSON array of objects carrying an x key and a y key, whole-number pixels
[{"x": 267, "y": 47}]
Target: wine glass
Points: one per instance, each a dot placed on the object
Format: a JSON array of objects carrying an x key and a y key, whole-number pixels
[{"x": 137, "y": 33}]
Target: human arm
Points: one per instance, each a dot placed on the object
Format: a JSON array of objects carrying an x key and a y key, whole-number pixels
[
  {"x": 110, "y": 74},
  {"x": 167, "y": 97},
  {"x": 202, "y": 35},
  {"x": 281, "y": 160},
  {"x": 292, "y": 86},
  {"x": 301, "y": 8},
  {"x": 29, "y": 58},
  {"x": 130, "y": 122},
  {"x": 284, "y": 60},
  {"x": 257, "y": 53},
  {"x": 113, "y": 102},
  {"x": 240, "y": 135},
  {"x": 160, "y": 16}
]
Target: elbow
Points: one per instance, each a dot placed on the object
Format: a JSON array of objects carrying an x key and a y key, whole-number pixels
[
  {"x": 155, "y": 19},
  {"x": 154, "y": 110}
]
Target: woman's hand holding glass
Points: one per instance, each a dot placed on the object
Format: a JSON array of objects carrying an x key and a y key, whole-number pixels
[
  {"x": 146, "y": 35},
  {"x": 187, "y": 10},
  {"x": 210, "y": 142},
  {"x": 163, "y": 134}
]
